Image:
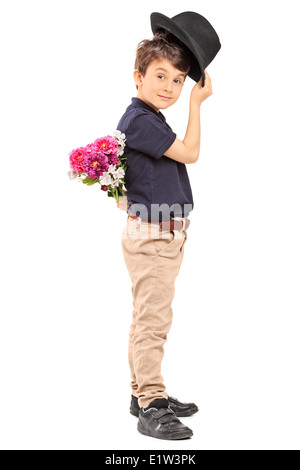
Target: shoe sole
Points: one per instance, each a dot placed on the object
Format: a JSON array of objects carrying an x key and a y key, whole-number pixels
[
  {"x": 179, "y": 415},
  {"x": 170, "y": 438}
]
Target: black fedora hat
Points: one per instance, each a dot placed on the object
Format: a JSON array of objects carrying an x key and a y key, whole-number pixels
[{"x": 196, "y": 33}]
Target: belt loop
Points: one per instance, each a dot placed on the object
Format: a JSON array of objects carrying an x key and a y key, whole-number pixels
[{"x": 181, "y": 219}]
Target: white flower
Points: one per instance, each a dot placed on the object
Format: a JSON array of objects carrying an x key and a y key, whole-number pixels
[
  {"x": 119, "y": 173},
  {"x": 112, "y": 169},
  {"x": 72, "y": 174},
  {"x": 119, "y": 135},
  {"x": 120, "y": 138},
  {"x": 105, "y": 179},
  {"x": 115, "y": 183}
]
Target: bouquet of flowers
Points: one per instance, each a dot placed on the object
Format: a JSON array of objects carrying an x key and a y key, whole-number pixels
[{"x": 101, "y": 162}]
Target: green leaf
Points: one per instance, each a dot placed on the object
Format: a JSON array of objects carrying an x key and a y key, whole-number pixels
[{"x": 89, "y": 181}]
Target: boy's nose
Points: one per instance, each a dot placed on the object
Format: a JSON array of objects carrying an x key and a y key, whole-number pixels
[{"x": 168, "y": 86}]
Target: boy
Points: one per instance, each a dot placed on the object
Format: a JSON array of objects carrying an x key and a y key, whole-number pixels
[{"x": 159, "y": 202}]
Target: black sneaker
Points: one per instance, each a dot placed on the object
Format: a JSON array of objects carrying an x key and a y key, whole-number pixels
[
  {"x": 181, "y": 410},
  {"x": 158, "y": 420}
]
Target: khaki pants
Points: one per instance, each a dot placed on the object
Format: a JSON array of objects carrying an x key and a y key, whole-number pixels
[{"x": 153, "y": 258}]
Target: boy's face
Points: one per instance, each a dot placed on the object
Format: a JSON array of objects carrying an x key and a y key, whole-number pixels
[{"x": 162, "y": 84}]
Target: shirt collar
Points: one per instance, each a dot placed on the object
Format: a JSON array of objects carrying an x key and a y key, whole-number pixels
[{"x": 138, "y": 103}]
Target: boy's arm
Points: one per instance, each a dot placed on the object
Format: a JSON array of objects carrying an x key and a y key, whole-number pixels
[{"x": 187, "y": 151}]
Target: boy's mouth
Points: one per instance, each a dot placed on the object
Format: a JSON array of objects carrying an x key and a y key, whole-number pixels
[{"x": 164, "y": 97}]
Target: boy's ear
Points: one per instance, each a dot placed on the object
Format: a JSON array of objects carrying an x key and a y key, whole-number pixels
[{"x": 137, "y": 77}]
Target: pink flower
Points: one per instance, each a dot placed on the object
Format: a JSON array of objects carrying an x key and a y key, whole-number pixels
[
  {"x": 106, "y": 145},
  {"x": 95, "y": 164},
  {"x": 90, "y": 148},
  {"x": 113, "y": 159},
  {"x": 76, "y": 159}
]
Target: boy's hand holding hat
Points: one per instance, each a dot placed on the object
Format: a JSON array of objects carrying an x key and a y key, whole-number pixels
[{"x": 199, "y": 93}]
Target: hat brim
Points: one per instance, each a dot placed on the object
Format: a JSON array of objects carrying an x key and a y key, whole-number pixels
[{"x": 160, "y": 21}]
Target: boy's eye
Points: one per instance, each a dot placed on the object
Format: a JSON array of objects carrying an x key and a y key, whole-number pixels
[{"x": 177, "y": 81}]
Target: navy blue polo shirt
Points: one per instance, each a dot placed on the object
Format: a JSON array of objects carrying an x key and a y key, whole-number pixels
[{"x": 158, "y": 187}]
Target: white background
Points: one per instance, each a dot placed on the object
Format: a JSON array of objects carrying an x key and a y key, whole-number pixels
[{"x": 67, "y": 77}]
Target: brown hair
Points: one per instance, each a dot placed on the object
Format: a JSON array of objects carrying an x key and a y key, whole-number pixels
[{"x": 163, "y": 45}]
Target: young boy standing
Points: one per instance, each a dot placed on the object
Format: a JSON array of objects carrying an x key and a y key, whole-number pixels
[{"x": 159, "y": 202}]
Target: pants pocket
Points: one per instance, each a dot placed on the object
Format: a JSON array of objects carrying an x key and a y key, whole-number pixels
[{"x": 161, "y": 245}]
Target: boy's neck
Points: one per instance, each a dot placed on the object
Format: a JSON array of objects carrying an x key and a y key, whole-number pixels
[{"x": 141, "y": 97}]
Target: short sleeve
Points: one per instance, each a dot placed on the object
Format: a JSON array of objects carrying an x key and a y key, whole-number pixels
[{"x": 148, "y": 134}]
